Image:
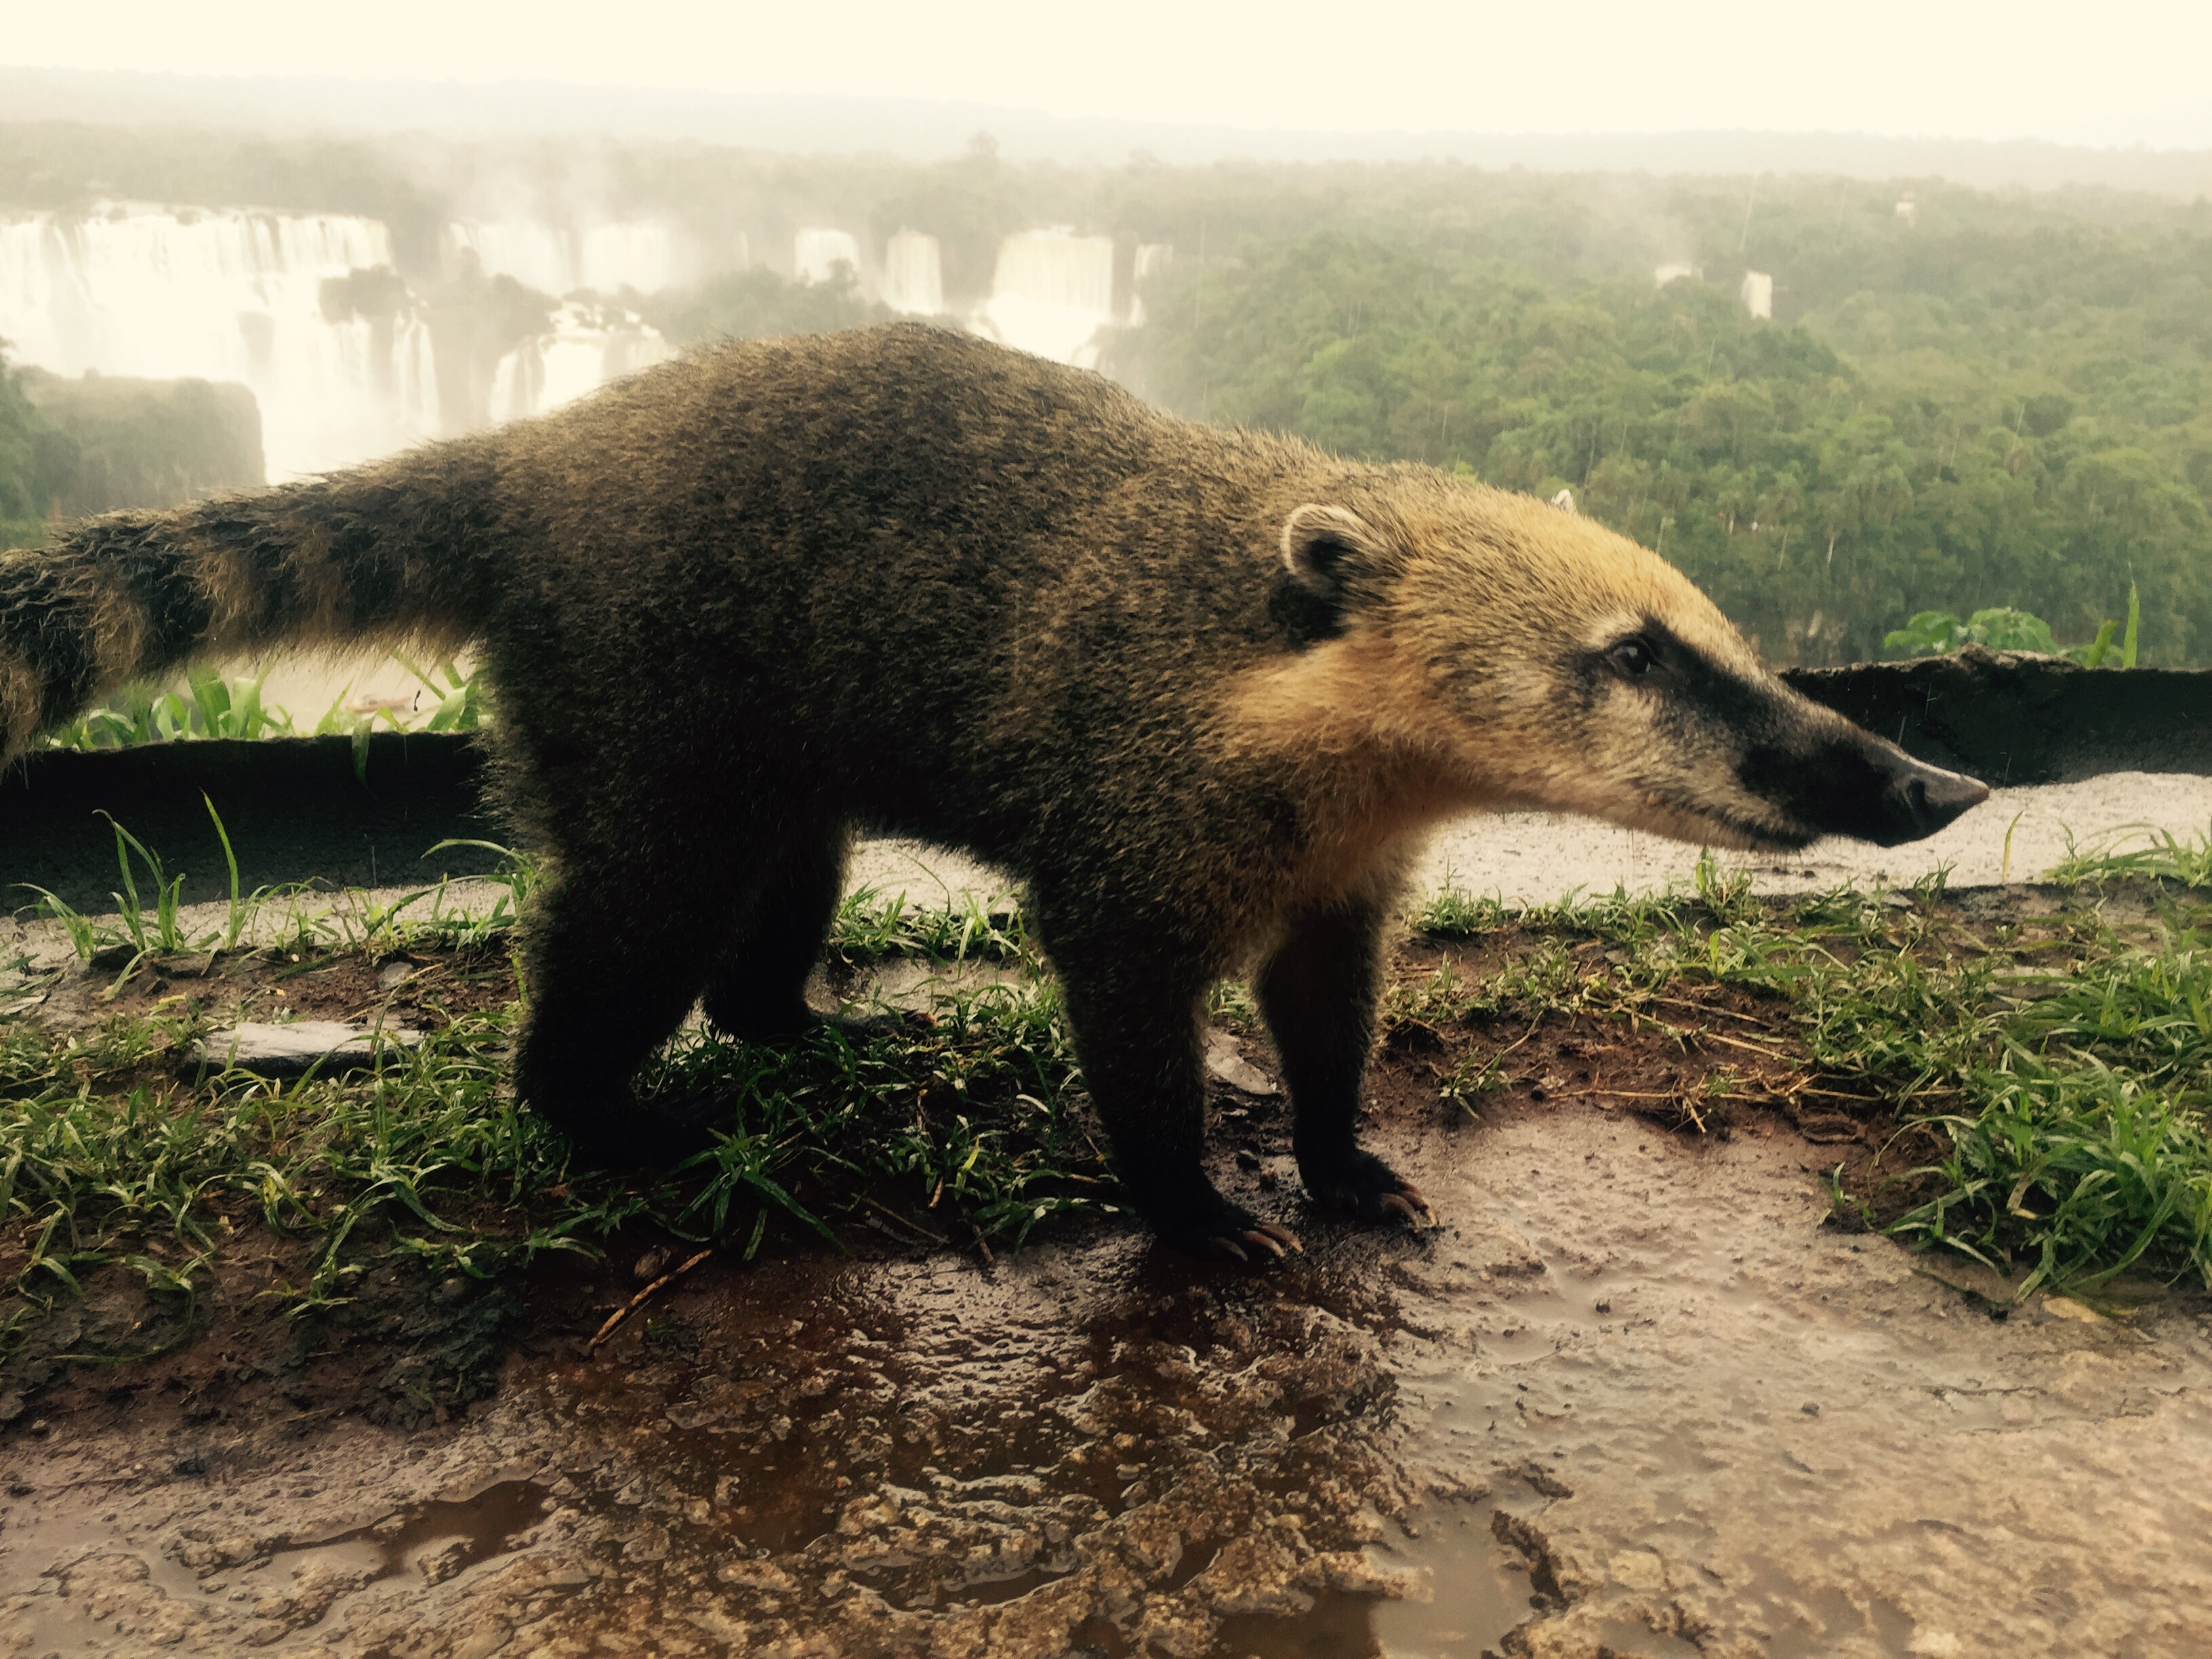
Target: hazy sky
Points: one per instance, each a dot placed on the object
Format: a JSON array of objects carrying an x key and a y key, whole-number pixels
[{"x": 2126, "y": 71}]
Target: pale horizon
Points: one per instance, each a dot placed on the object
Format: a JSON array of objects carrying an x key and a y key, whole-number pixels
[{"x": 1407, "y": 68}]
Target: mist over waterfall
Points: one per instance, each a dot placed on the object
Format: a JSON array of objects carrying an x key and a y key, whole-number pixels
[
  {"x": 1052, "y": 292},
  {"x": 351, "y": 351},
  {"x": 230, "y": 296},
  {"x": 605, "y": 258},
  {"x": 272, "y": 301},
  {"x": 586, "y": 347},
  {"x": 818, "y": 251}
]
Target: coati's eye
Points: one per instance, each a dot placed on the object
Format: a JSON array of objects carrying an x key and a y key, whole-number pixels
[{"x": 1633, "y": 657}]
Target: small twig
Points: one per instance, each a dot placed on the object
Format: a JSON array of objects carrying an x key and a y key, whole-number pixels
[
  {"x": 1738, "y": 1043},
  {"x": 915, "y": 1228},
  {"x": 638, "y": 1301},
  {"x": 1677, "y": 1098},
  {"x": 984, "y": 1245},
  {"x": 1703, "y": 1008}
]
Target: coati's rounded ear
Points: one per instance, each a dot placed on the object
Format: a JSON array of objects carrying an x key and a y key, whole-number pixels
[{"x": 1320, "y": 543}]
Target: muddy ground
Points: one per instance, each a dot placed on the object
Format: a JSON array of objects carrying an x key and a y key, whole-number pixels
[{"x": 1640, "y": 1395}]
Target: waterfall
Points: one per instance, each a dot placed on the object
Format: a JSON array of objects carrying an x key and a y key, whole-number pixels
[
  {"x": 914, "y": 275},
  {"x": 537, "y": 255},
  {"x": 646, "y": 258},
  {"x": 817, "y": 253},
  {"x": 1152, "y": 259},
  {"x": 605, "y": 258},
  {"x": 1051, "y": 293},
  {"x": 587, "y": 346},
  {"x": 223, "y": 296}
]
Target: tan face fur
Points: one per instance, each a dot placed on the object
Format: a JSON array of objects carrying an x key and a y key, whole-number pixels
[{"x": 1494, "y": 651}]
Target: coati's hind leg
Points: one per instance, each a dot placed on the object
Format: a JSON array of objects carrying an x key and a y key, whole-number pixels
[
  {"x": 758, "y": 991},
  {"x": 1318, "y": 993},
  {"x": 1136, "y": 1024},
  {"x": 612, "y": 960}
]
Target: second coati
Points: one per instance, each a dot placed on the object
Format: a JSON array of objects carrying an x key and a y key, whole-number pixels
[{"x": 1203, "y": 691}]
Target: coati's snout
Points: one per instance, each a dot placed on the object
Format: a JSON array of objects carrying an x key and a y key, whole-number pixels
[
  {"x": 1762, "y": 765},
  {"x": 1852, "y": 783}
]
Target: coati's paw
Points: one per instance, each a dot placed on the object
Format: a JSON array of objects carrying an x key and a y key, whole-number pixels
[
  {"x": 655, "y": 1135},
  {"x": 1369, "y": 1189},
  {"x": 1218, "y": 1228}
]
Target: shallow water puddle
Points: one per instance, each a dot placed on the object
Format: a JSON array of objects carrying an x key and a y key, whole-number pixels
[
  {"x": 1713, "y": 1413},
  {"x": 438, "y": 1538}
]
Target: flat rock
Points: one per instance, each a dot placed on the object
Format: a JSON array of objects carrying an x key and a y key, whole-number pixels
[
  {"x": 1224, "y": 1061},
  {"x": 323, "y": 1045}
]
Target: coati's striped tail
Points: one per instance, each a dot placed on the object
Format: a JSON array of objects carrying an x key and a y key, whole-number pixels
[{"x": 385, "y": 553}]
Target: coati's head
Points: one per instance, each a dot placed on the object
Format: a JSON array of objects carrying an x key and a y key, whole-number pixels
[{"x": 1545, "y": 662}]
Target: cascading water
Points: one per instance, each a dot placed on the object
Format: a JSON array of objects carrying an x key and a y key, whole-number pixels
[
  {"x": 227, "y": 296},
  {"x": 268, "y": 301},
  {"x": 605, "y": 258},
  {"x": 1153, "y": 259},
  {"x": 818, "y": 251},
  {"x": 1052, "y": 292},
  {"x": 347, "y": 363},
  {"x": 587, "y": 346},
  {"x": 537, "y": 255},
  {"x": 914, "y": 275}
]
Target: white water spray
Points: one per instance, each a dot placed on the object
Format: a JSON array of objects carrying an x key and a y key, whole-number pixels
[
  {"x": 818, "y": 251},
  {"x": 229, "y": 295},
  {"x": 914, "y": 275},
  {"x": 1052, "y": 292},
  {"x": 605, "y": 258}
]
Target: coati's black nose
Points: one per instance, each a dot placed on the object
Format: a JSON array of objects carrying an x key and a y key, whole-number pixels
[
  {"x": 1839, "y": 780},
  {"x": 1919, "y": 800}
]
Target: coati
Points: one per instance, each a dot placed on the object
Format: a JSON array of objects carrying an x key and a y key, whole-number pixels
[{"x": 1203, "y": 690}]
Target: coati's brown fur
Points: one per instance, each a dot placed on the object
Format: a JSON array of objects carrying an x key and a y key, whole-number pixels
[{"x": 1204, "y": 691}]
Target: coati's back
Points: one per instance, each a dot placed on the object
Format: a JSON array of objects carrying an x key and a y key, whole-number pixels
[{"x": 958, "y": 578}]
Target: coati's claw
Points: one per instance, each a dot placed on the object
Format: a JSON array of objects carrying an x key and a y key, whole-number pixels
[
  {"x": 1209, "y": 1224},
  {"x": 1403, "y": 1202},
  {"x": 1261, "y": 1236},
  {"x": 1371, "y": 1190},
  {"x": 1264, "y": 1237}
]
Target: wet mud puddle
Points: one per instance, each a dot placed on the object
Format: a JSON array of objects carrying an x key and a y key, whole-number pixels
[
  {"x": 1748, "y": 1433},
  {"x": 1635, "y": 1399},
  {"x": 1085, "y": 1450}
]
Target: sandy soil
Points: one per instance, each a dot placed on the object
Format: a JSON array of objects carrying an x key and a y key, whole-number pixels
[{"x": 1530, "y": 858}]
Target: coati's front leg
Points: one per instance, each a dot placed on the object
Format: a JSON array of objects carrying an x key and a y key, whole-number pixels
[
  {"x": 1319, "y": 992},
  {"x": 1136, "y": 1024}
]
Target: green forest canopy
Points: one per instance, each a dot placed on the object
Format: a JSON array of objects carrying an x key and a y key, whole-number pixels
[
  {"x": 2022, "y": 419},
  {"x": 2004, "y": 400},
  {"x": 68, "y": 447}
]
